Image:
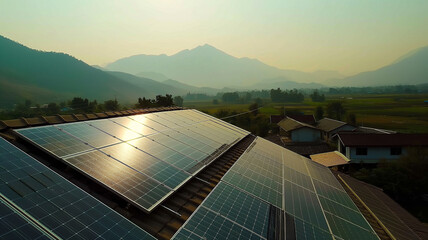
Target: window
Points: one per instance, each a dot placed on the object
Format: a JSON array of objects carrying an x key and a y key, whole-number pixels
[
  {"x": 361, "y": 151},
  {"x": 396, "y": 151}
]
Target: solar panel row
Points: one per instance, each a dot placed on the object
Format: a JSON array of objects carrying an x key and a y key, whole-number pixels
[
  {"x": 314, "y": 204},
  {"x": 229, "y": 213},
  {"x": 142, "y": 158},
  {"x": 58, "y": 206}
]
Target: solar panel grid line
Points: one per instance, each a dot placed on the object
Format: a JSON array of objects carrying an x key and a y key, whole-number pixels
[
  {"x": 153, "y": 153},
  {"x": 220, "y": 140},
  {"x": 236, "y": 205},
  {"x": 190, "y": 138},
  {"x": 344, "y": 230},
  {"x": 193, "y": 125},
  {"x": 159, "y": 159},
  {"x": 325, "y": 217},
  {"x": 86, "y": 133},
  {"x": 178, "y": 120},
  {"x": 249, "y": 193},
  {"x": 137, "y": 170},
  {"x": 158, "y": 128},
  {"x": 132, "y": 123},
  {"x": 249, "y": 179},
  {"x": 57, "y": 189},
  {"x": 283, "y": 185},
  {"x": 82, "y": 146},
  {"x": 327, "y": 178},
  {"x": 28, "y": 218},
  {"x": 178, "y": 129},
  {"x": 240, "y": 225},
  {"x": 182, "y": 146},
  {"x": 164, "y": 121},
  {"x": 117, "y": 192},
  {"x": 97, "y": 122},
  {"x": 305, "y": 230},
  {"x": 337, "y": 197},
  {"x": 201, "y": 206},
  {"x": 303, "y": 204}
]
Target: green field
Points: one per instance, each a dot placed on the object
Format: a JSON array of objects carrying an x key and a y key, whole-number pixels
[{"x": 399, "y": 112}]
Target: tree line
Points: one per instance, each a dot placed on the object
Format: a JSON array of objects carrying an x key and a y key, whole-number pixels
[{"x": 75, "y": 105}]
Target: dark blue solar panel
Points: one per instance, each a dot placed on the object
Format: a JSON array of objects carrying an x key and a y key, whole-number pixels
[
  {"x": 14, "y": 226},
  {"x": 54, "y": 140},
  {"x": 59, "y": 205}
]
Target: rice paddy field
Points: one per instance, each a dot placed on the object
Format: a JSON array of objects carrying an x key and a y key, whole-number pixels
[{"x": 399, "y": 112}]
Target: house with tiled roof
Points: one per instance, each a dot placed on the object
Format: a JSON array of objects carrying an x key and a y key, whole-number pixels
[{"x": 373, "y": 147}]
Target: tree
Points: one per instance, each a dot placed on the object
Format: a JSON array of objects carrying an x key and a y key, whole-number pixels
[
  {"x": 316, "y": 97},
  {"x": 79, "y": 104},
  {"x": 111, "y": 105},
  {"x": 143, "y": 103},
  {"x": 164, "y": 101},
  {"x": 215, "y": 101},
  {"x": 230, "y": 97},
  {"x": 335, "y": 110},
  {"x": 351, "y": 118},
  {"x": 254, "y": 107},
  {"x": 178, "y": 100},
  {"x": 53, "y": 108},
  {"x": 319, "y": 113},
  {"x": 277, "y": 95},
  {"x": 405, "y": 180}
]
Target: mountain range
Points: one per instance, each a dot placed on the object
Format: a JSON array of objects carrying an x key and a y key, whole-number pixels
[
  {"x": 411, "y": 69},
  {"x": 210, "y": 67},
  {"x": 43, "y": 77}
]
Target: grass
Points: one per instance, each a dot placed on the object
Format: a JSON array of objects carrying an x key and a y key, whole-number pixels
[{"x": 399, "y": 112}]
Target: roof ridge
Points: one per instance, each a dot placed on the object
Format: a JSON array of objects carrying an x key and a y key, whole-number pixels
[{"x": 65, "y": 118}]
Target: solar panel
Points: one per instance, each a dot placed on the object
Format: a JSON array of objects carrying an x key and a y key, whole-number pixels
[
  {"x": 228, "y": 213},
  {"x": 114, "y": 129},
  {"x": 134, "y": 125},
  {"x": 88, "y": 134},
  {"x": 157, "y": 169},
  {"x": 54, "y": 140},
  {"x": 166, "y": 154},
  {"x": 14, "y": 226},
  {"x": 304, "y": 204},
  {"x": 141, "y": 158},
  {"x": 306, "y": 231},
  {"x": 308, "y": 192},
  {"x": 137, "y": 187},
  {"x": 58, "y": 205}
]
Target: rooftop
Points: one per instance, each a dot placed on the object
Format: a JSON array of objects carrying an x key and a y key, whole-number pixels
[
  {"x": 308, "y": 119},
  {"x": 328, "y": 124},
  {"x": 290, "y": 124},
  {"x": 330, "y": 159},
  {"x": 382, "y": 140},
  {"x": 166, "y": 174}
]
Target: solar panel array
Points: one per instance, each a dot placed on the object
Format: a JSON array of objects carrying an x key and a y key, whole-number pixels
[
  {"x": 37, "y": 203},
  {"x": 269, "y": 183},
  {"x": 142, "y": 158}
]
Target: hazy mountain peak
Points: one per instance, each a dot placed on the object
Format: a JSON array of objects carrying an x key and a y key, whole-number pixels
[{"x": 205, "y": 50}]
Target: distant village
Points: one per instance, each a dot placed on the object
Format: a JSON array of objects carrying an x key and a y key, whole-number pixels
[{"x": 334, "y": 143}]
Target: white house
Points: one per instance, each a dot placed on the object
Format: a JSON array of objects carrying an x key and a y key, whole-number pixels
[{"x": 371, "y": 147}]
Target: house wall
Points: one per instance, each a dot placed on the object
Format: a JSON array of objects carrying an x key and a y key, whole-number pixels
[
  {"x": 305, "y": 135},
  {"x": 374, "y": 154}
]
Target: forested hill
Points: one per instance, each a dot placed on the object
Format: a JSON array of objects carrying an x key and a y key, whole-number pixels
[{"x": 50, "y": 76}]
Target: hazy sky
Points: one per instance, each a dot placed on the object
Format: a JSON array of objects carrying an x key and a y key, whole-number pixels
[{"x": 308, "y": 35}]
